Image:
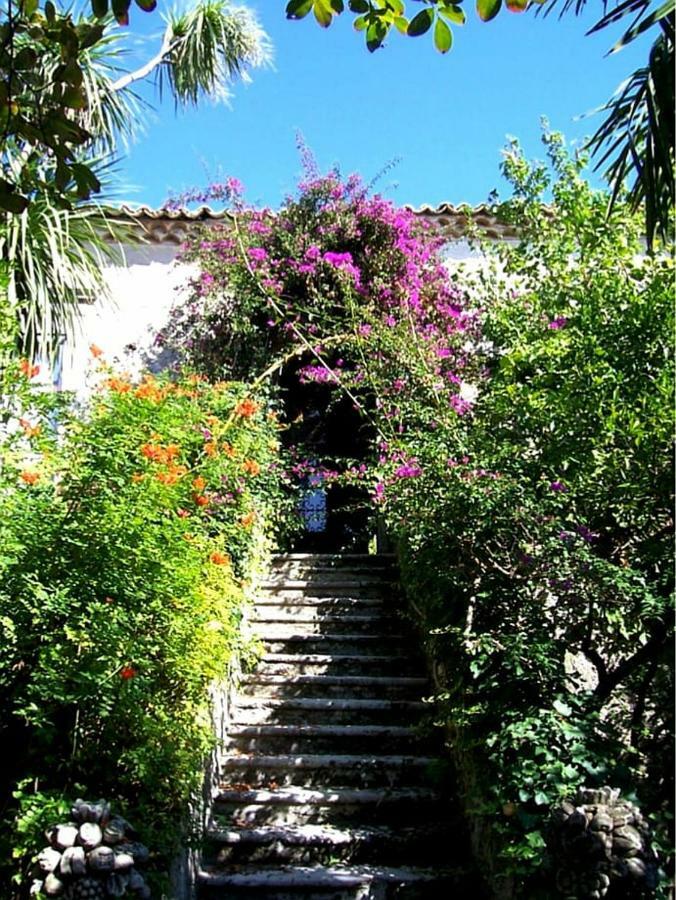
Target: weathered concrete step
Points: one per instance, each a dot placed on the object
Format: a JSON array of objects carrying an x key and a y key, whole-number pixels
[
  {"x": 295, "y": 805},
  {"x": 295, "y": 590},
  {"x": 270, "y": 739},
  {"x": 333, "y": 883},
  {"x": 335, "y": 559},
  {"x": 341, "y": 644},
  {"x": 310, "y": 710},
  {"x": 298, "y": 601},
  {"x": 326, "y": 844},
  {"x": 314, "y": 621},
  {"x": 336, "y": 664},
  {"x": 356, "y": 686},
  {"x": 337, "y": 770}
]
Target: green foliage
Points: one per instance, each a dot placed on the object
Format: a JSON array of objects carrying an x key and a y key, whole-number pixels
[
  {"x": 541, "y": 561},
  {"x": 126, "y": 545}
]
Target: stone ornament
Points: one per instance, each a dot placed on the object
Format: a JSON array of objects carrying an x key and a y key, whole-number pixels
[
  {"x": 92, "y": 857},
  {"x": 600, "y": 845}
]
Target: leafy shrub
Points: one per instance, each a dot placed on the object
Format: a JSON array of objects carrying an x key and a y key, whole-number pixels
[
  {"x": 541, "y": 560},
  {"x": 128, "y": 532}
]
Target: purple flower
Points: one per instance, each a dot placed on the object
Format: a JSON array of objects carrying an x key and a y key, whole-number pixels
[
  {"x": 558, "y": 323},
  {"x": 410, "y": 469},
  {"x": 258, "y": 254},
  {"x": 234, "y": 187},
  {"x": 558, "y": 487},
  {"x": 364, "y": 330}
]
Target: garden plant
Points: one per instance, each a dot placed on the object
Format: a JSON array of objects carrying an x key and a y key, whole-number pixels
[{"x": 529, "y": 401}]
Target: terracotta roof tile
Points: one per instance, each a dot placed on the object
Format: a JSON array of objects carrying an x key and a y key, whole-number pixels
[{"x": 166, "y": 225}]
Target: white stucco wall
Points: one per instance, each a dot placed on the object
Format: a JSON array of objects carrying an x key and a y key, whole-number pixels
[
  {"x": 142, "y": 292},
  {"x": 124, "y": 325}
]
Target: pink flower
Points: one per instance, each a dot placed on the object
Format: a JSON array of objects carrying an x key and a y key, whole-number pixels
[
  {"x": 258, "y": 254},
  {"x": 558, "y": 323}
]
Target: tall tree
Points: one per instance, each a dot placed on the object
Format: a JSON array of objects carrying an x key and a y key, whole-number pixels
[{"x": 67, "y": 103}]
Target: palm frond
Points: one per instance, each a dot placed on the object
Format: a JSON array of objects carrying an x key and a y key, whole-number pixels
[
  {"x": 211, "y": 45},
  {"x": 637, "y": 138},
  {"x": 55, "y": 258}
]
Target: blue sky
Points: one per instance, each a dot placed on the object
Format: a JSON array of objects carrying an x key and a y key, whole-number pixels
[{"x": 444, "y": 118}]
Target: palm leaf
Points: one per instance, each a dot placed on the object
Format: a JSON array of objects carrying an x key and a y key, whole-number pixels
[
  {"x": 55, "y": 258},
  {"x": 211, "y": 45},
  {"x": 637, "y": 139}
]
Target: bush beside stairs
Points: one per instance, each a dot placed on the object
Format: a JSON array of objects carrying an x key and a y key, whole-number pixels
[{"x": 330, "y": 789}]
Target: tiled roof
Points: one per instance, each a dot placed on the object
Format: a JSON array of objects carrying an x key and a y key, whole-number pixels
[{"x": 172, "y": 225}]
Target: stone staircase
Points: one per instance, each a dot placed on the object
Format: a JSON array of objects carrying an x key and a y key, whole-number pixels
[{"x": 331, "y": 789}]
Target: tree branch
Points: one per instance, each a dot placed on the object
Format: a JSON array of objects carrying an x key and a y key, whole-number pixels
[{"x": 129, "y": 78}]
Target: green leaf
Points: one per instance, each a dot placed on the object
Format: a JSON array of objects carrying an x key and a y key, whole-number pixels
[
  {"x": 28, "y": 7},
  {"x": 337, "y": 6},
  {"x": 488, "y": 9},
  {"x": 453, "y": 13},
  {"x": 443, "y": 36},
  {"x": 11, "y": 202},
  {"x": 298, "y": 9},
  {"x": 375, "y": 35},
  {"x": 516, "y": 6},
  {"x": 323, "y": 13},
  {"x": 401, "y": 24},
  {"x": 72, "y": 74},
  {"x": 121, "y": 11},
  {"x": 100, "y": 8},
  {"x": 360, "y": 23},
  {"x": 420, "y": 23},
  {"x": 74, "y": 98},
  {"x": 358, "y": 6},
  {"x": 146, "y": 5},
  {"x": 50, "y": 12},
  {"x": 397, "y": 7}
]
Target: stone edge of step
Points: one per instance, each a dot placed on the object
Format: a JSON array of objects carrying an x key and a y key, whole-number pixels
[
  {"x": 296, "y": 796},
  {"x": 320, "y": 876}
]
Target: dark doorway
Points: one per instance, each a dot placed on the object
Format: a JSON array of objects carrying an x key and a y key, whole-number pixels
[{"x": 327, "y": 435}]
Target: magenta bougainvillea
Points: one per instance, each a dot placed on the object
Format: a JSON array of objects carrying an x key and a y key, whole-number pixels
[{"x": 355, "y": 283}]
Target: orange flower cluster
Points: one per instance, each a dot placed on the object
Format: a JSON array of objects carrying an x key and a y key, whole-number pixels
[
  {"x": 117, "y": 385},
  {"x": 157, "y": 453},
  {"x": 251, "y": 467},
  {"x": 95, "y": 351},
  {"x": 220, "y": 559},
  {"x": 29, "y": 476},
  {"x": 200, "y": 499},
  {"x": 30, "y": 430},
  {"x": 248, "y": 520},
  {"x": 247, "y": 408},
  {"x": 199, "y": 483},
  {"x": 28, "y": 369},
  {"x": 164, "y": 456},
  {"x": 172, "y": 474},
  {"x": 150, "y": 390}
]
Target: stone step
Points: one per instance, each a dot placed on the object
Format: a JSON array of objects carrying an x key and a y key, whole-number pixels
[
  {"x": 271, "y": 739},
  {"x": 336, "y": 664},
  {"x": 327, "y": 844},
  {"x": 295, "y": 805},
  {"x": 345, "y": 587},
  {"x": 335, "y": 559},
  {"x": 397, "y": 645},
  {"x": 355, "y": 686},
  {"x": 306, "y": 602},
  {"x": 332, "y": 883},
  {"x": 311, "y": 620},
  {"x": 336, "y": 770},
  {"x": 311, "y": 710}
]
